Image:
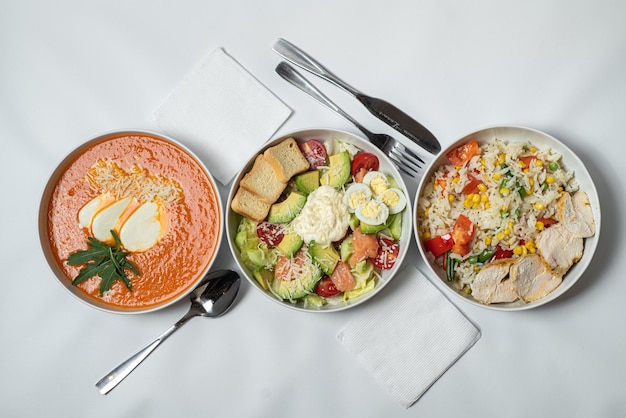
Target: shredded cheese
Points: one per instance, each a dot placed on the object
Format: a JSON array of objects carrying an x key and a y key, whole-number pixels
[{"x": 107, "y": 177}]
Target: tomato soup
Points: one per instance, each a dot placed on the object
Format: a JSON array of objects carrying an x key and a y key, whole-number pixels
[{"x": 191, "y": 223}]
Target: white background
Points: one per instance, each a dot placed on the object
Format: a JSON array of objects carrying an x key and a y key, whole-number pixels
[{"x": 70, "y": 70}]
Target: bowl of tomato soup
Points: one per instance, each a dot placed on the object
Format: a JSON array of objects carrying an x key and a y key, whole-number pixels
[{"x": 130, "y": 221}]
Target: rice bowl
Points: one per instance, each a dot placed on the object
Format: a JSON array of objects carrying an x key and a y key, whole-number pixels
[{"x": 507, "y": 190}]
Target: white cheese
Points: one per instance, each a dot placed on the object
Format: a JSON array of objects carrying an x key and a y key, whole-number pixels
[
  {"x": 106, "y": 219},
  {"x": 142, "y": 229}
]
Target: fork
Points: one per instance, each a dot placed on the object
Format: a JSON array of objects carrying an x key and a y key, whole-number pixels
[{"x": 403, "y": 158}]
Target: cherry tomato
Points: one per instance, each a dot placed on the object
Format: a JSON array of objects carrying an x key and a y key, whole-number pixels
[
  {"x": 463, "y": 153},
  {"x": 315, "y": 153},
  {"x": 439, "y": 245},
  {"x": 364, "y": 160},
  {"x": 326, "y": 288},
  {"x": 388, "y": 251},
  {"x": 269, "y": 233}
]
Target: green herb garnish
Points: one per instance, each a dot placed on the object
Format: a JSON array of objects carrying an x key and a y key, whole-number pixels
[{"x": 106, "y": 261}]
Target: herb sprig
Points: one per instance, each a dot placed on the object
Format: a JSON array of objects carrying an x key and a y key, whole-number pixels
[{"x": 105, "y": 261}]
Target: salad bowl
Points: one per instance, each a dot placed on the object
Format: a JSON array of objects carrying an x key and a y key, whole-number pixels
[
  {"x": 311, "y": 298},
  {"x": 552, "y": 157}
]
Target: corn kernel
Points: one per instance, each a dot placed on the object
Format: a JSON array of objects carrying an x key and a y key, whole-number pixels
[
  {"x": 533, "y": 149},
  {"x": 426, "y": 213},
  {"x": 475, "y": 198},
  {"x": 488, "y": 240},
  {"x": 533, "y": 250},
  {"x": 426, "y": 235},
  {"x": 507, "y": 231},
  {"x": 450, "y": 198},
  {"x": 539, "y": 206},
  {"x": 521, "y": 164},
  {"x": 458, "y": 167},
  {"x": 484, "y": 198},
  {"x": 505, "y": 191},
  {"x": 487, "y": 205},
  {"x": 510, "y": 224},
  {"x": 524, "y": 250},
  {"x": 467, "y": 203},
  {"x": 483, "y": 162},
  {"x": 467, "y": 290},
  {"x": 500, "y": 236},
  {"x": 539, "y": 226},
  {"x": 525, "y": 170},
  {"x": 529, "y": 245},
  {"x": 550, "y": 179},
  {"x": 476, "y": 268},
  {"x": 517, "y": 250},
  {"x": 501, "y": 158},
  {"x": 456, "y": 179},
  {"x": 497, "y": 176},
  {"x": 538, "y": 163},
  {"x": 476, "y": 205},
  {"x": 531, "y": 181}
]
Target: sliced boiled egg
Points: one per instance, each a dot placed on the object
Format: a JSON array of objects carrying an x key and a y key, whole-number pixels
[
  {"x": 143, "y": 228},
  {"x": 356, "y": 195},
  {"x": 373, "y": 212},
  {"x": 106, "y": 219},
  {"x": 377, "y": 181},
  {"x": 87, "y": 212},
  {"x": 394, "y": 199}
]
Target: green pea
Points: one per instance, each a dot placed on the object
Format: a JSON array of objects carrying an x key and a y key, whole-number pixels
[
  {"x": 517, "y": 212},
  {"x": 553, "y": 166},
  {"x": 473, "y": 259},
  {"x": 504, "y": 213}
]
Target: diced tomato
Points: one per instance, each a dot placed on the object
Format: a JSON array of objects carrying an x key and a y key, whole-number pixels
[
  {"x": 472, "y": 185},
  {"x": 463, "y": 153},
  {"x": 439, "y": 245},
  {"x": 442, "y": 183},
  {"x": 528, "y": 160},
  {"x": 269, "y": 233},
  {"x": 462, "y": 234},
  {"x": 365, "y": 246},
  {"x": 388, "y": 251},
  {"x": 326, "y": 288},
  {"x": 342, "y": 277},
  {"x": 315, "y": 153},
  {"x": 548, "y": 221},
  {"x": 364, "y": 160},
  {"x": 502, "y": 253}
]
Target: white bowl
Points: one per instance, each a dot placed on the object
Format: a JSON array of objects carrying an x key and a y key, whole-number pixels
[
  {"x": 570, "y": 162},
  {"x": 201, "y": 214},
  {"x": 232, "y": 219}
]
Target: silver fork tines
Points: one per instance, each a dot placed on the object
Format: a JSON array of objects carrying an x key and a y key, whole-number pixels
[{"x": 403, "y": 158}]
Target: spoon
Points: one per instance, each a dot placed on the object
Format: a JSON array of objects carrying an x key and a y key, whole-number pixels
[{"x": 213, "y": 297}]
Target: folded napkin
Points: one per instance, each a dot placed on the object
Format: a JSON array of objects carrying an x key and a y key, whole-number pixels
[
  {"x": 222, "y": 113},
  {"x": 409, "y": 336}
]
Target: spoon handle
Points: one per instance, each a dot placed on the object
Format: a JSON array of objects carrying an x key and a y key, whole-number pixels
[{"x": 111, "y": 380}]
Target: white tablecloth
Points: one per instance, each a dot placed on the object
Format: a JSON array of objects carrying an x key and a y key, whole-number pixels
[{"x": 70, "y": 70}]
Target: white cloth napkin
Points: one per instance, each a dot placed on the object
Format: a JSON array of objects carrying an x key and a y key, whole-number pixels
[
  {"x": 409, "y": 336},
  {"x": 222, "y": 113}
]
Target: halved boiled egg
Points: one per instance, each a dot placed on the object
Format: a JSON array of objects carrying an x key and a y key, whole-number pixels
[
  {"x": 143, "y": 228},
  {"x": 356, "y": 195},
  {"x": 377, "y": 181},
  {"x": 394, "y": 199},
  {"x": 373, "y": 212}
]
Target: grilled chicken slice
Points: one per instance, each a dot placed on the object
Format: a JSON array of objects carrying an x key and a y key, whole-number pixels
[
  {"x": 490, "y": 284},
  {"x": 574, "y": 211},
  {"x": 533, "y": 278},
  {"x": 559, "y": 248}
]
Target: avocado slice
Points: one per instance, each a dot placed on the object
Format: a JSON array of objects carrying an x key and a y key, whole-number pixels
[
  {"x": 300, "y": 286},
  {"x": 346, "y": 249},
  {"x": 326, "y": 257},
  {"x": 395, "y": 226},
  {"x": 308, "y": 181},
  {"x": 290, "y": 244},
  {"x": 288, "y": 209},
  {"x": 338, "y": 172}
]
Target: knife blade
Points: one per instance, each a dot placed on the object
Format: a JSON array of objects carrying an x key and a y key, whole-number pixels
[{"x": 383, "y": 110}]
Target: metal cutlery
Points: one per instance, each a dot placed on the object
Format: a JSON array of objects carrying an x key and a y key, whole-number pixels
[
  {"x": 406, "y": 161},
  {"x": 383, "y": 110}
]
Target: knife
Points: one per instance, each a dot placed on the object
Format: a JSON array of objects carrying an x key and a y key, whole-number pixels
[{"x": 383, "y": 110}]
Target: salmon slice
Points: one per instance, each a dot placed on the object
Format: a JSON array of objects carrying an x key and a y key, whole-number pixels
[
  {"x": 342, "y": 277},
  {"x": 365, "y": 246}
]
